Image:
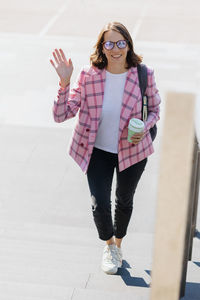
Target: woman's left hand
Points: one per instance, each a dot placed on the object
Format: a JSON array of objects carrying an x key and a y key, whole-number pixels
[{"x": 137, "y": 137}]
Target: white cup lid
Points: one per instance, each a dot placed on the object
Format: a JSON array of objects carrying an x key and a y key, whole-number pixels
[{"x": 136, "y": 123}]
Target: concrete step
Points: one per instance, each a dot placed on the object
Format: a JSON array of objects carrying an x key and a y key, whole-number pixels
[
  {"x": 125, "y": 279},
  {"x": 48, "y": 233},
  {"x": 44, "y": 276},
  {"x": 22, "y": 292},
  {"x": 48, "y": 261},
  {"x": 192, "y": 289},
  {"x": 11, "y": 290},
  {"x": 35, "y": 273},
  {"x": 69, "y": 235},
  {"x": 90, "y": 294},
  {"x": 196, "y": 249},
  {"x": 65, "y": 248},
  {"x": 43, "y": 261}
]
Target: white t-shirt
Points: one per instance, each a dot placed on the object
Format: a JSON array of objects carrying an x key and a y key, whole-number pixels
[{"x": 108, "y": 131}]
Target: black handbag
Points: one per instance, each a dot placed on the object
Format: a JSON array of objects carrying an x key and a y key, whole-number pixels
[{"x": 142, "y": 76}]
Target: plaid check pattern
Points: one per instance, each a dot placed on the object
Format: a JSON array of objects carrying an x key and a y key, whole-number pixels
[{"x": 86, "y": 97}]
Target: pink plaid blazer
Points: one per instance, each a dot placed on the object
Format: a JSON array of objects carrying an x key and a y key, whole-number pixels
[{"x": 87, "y": 98}]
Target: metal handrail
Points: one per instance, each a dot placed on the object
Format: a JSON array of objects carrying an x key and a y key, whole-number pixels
[
  {"x": 195, "y": 195},
  {"x": 192, "y": 214}
]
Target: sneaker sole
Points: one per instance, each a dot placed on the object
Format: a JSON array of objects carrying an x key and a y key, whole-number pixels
[
  {"x": 110, "y": 272},
  {"x": 119, "y": 264}
]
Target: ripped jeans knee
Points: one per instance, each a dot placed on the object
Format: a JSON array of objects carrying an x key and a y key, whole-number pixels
[{"x": 94, "y": 203}]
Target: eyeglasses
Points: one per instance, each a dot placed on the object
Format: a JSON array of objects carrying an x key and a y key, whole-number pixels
[{"x": 121, "y": 44}]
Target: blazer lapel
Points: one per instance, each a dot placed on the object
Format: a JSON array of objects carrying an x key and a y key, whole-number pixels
[
  {"x": 130, "y": 97},
  {"x": 95, "y": 94}
]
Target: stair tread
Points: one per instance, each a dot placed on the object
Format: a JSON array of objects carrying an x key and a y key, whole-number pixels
[{"x": 90, "y": 294}]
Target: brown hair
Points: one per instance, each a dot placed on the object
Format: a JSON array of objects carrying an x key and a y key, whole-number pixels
[{"x": 98, "y": 58}]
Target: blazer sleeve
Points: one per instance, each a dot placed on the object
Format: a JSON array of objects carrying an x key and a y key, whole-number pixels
[
  {"x": 68, "y": 101},
  {"x": 153, "y": 100}
]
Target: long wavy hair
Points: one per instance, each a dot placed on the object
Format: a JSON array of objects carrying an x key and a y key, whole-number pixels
[{"x": 98, "y": 58}]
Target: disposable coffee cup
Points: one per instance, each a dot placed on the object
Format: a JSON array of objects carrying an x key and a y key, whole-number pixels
[{"x": 134, "y": 126}]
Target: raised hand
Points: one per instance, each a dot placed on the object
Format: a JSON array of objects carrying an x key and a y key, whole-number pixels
[{"x": 63, "y": 67}]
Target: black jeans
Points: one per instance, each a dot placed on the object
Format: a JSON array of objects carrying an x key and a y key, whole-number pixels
[{"x": 100, "y": 175}]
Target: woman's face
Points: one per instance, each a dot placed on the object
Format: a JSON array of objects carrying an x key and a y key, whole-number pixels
[{"x": 115, "y": 55}]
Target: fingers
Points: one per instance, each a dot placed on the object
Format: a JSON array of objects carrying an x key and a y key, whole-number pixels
[
  {"x": 135, "y": 142},
  {"x": 55, "y": 57},
  {"x": 136, "y": 138},
  {"x": 60, "y": 57},
  {"x": 63, "y": 55},
  {"x": 51, "y": 61}
]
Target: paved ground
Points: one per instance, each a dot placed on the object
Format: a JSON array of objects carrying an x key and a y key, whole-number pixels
[{"x": 49, "y": 246}]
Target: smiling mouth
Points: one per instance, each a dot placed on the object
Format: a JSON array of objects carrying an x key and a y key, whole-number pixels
[{"x": 116, "y": 56}]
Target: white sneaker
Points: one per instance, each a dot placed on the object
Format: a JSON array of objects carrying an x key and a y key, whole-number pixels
[
  {"x": 110, "y": 259},
  {"x": 119, "y": 256}
]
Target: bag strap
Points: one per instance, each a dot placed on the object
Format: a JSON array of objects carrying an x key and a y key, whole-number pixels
[{"x": 142, "y": 76}]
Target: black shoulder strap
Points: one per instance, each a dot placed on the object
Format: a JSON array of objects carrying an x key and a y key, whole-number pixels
[{"x": 142, "y": 76}]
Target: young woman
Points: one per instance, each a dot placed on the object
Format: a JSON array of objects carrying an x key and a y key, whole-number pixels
[{"x": 107, "y": 95}]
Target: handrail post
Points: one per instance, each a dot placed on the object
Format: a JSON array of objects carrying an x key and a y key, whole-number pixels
[{"x": 173, "y": 196}]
